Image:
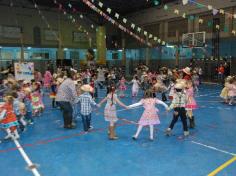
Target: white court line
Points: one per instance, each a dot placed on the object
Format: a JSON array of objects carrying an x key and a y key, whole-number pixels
[
  {"x": 32, "y": 167},
  {"x": 214, "y": 148},
  {"x": 205, "y": 95}
]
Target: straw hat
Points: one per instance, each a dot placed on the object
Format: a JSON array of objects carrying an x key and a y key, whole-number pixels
[
  {"x": 87, "y": 88},
  {"x": 60, "y": 80},
  {"x": 26, "y": 82},
  {"x": 179, "y": 86},
  {"x": 28, "y": 90},
  {"x": 187, "y": 70}
]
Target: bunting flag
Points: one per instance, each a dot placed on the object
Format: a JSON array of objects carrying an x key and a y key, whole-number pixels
[{"x": 185, "y": 2}]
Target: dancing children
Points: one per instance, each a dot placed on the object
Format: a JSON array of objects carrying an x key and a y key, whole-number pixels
[
  {"x": 231, "y": 90},
  {"x": 110, "y": 111},
  {"x": 191, "y": 103},
  {"x": 150, "y": 116},
  {"x": 86, "y": 101},
  {"x": 135, "y": 86},
  {"x": 178, "y": 104},
  {"x": 8, "y": 118},
  {"x": 28, "y": 105},
  {"x": 36, "y": 99},
  {"x": 225, "y": 90},
  {"x": 122, "y": 87}
]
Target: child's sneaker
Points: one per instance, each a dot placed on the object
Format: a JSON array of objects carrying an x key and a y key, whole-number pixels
[
  {"x": 186, "y": 133},
  {"x": 168, "y": 132}
]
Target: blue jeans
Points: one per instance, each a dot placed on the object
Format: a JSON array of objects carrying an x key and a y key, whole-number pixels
[
  {"x": 28, "y": 117},
  {"x": 86, "y": 119}
]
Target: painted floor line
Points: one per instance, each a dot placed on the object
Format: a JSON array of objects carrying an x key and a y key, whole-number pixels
[
  {"x": 223, "y": 166},
  {"x": 214, "y": 148}
]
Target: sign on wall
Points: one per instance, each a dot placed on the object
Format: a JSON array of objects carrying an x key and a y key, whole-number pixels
[
  {"x": 10, "y": 32},
  {"x": 51, "y": 35},
  {"x": 24, "y": 71},
  {"x": 79, "y": 37}
]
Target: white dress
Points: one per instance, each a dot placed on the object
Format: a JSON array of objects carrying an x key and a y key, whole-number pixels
[{"x": 110, "y": 109}]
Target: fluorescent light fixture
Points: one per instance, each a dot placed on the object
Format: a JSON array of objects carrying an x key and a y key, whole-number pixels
[
  {"x": 120, "y": 50},
  {"x": 170, "y": 46},
  {"x": 29, "y": 48},
  {"x": 65, "y": 49}
]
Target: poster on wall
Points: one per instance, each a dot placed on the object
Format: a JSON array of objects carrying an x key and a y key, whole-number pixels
[
  {"x": 51, "y": 35},
  {"x": 10, "y": 32},
  {"x": 24, "y": 71},
  {"x": 79, "y": 37}
]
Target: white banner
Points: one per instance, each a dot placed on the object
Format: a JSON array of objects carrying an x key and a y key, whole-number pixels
[{"x": 24, "y": 71}]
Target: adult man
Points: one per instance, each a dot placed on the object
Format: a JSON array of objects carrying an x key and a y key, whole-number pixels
[{"x": 66, "y": 96}]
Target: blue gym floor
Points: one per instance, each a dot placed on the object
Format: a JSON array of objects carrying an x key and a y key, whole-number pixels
[{"x": 61, "y": 152}]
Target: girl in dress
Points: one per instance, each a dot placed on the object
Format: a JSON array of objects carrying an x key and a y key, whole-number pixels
[
  {"x": 110, "y": 111},
  {"x": 150, "y": 116},
  {"x": 191, "y": 103},
  {"x": 122, "y": 87},
  {"x": 37, "y": 103},
  {"x": 135, "y": 86},
  {"x": 225, "y": 90},
  {"x": 195, "y": 79},
  {"x": 8, "y": 118},
  {"x": 172, "y": 88},
  {"x": 47, "y": 80},
  {"x": 231, "y": 90}
]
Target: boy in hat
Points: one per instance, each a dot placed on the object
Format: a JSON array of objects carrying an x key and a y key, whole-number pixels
[
  {"x": 86, "y": 101},
  {"x": 178, "y": 104}
]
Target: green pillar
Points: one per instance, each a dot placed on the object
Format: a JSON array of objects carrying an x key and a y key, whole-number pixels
[{"x": 101, "y": 45}]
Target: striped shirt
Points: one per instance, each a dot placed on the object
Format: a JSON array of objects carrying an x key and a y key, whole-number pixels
[
  {"x": 86, "y": 101},
  {"x": 67, "y": 91},
  {"x": 179, "y": 100}
]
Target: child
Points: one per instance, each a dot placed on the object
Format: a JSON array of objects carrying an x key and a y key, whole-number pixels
[
  {"x": 225, "y": 90},
  {"x": 150, "y": 116},
  {"x": 122, "y": 87},
  {"x": 53, "y": 92},
  {"x": 178, "y": 104},
  {"x": 232, "y": 90},
  {"x": 110, "y": 111},
  {"x": 28, "y": 105},
  {"x": 19, "y": 110},
  {"x": 135, "y": 86},
  {"x": 86, "y": 101},
  {"x": 8, "y": 118},
  {"x": 172, "y": 88},
  {"x": 47, "y": 80},
  {"x": 191, "y": 103},
  {"x": 195, "y": 79},
  {"x": 37, "y": 103}
]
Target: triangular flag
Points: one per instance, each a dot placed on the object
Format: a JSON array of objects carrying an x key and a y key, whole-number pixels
[
  {"x": 176, "y": 11},
  {"x": 109, "y": 10},
  {"x": 150, "y": 36},
  {"x": 165, "y": 7},
  {"x": 117, "y": 15},
  {"x": 184, "y": 15},
  {"x": 200, "y": 21},
  {"x": 139, "y": 29},
  {"x": 100, "y": 4},
  {"x": 185, "y": 2},
  {"x": 155, "y": 38},
  {"x": 209, "y": 7},
  {"x": 215, "y": 11},
  {"x": 133, "y": 25},
  {"x": 124, "y": 20},
  {"x": 222, "y": 11},
  {"x": 159, "y": 41},
  {"x": 145, "y": 33}
]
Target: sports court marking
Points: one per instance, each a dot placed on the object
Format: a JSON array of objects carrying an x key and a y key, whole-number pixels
[{"x": 223, "y": 166}]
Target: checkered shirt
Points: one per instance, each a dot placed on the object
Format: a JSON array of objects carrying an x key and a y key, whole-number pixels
[{"x": 86, "y": 101}]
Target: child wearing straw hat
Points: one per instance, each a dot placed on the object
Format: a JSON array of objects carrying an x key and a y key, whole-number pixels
[
  {"x": 178, "y": 104},
  {"x": 86, "y": 101}
]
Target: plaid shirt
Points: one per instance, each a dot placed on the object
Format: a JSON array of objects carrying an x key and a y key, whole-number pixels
[
  {"x": 86, "y": 101},
  {"x": 179, "y": 100},
  {"x": 67, "y": 91}
]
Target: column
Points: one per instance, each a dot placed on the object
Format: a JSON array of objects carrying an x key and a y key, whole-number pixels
[
  {"x": 60, "y": 52},
  {"x": 123, "y": 49},
  {"x": 101, "y": 45},
  {"x": 147, "y": 53}
]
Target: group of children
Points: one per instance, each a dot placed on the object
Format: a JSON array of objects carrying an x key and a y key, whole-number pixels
[
  {"x": 21, "y": 102},
  {"x": 228, "y": 93},
  {"x": 24, "y": 101}
]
